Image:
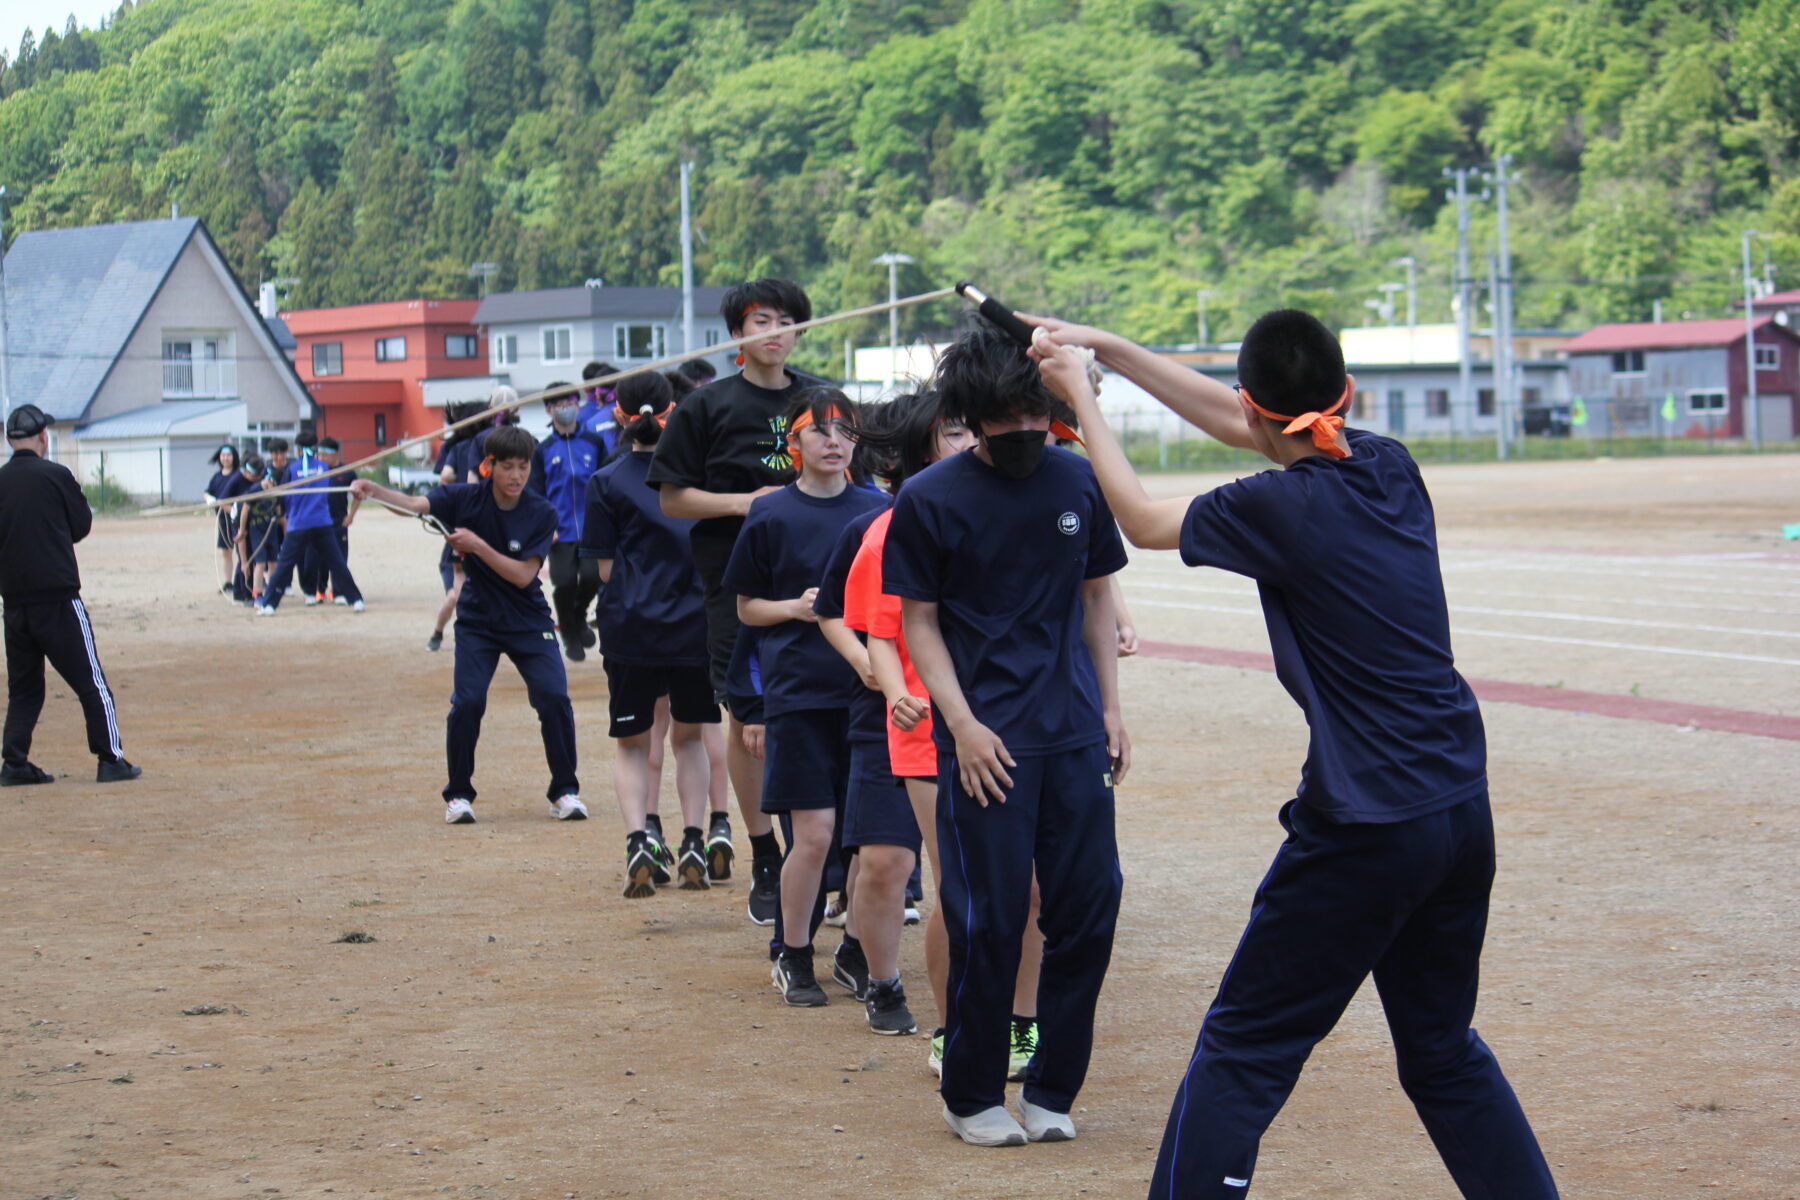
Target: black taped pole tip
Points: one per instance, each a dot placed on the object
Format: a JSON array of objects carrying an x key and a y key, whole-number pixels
[{"x": 996, "y": 312}]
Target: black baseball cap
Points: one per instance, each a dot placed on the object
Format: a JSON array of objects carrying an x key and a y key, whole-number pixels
[{"x": 27, "y": 421}]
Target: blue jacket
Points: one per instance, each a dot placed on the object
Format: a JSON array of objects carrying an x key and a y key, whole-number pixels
[{"x": 560, "y": 474}]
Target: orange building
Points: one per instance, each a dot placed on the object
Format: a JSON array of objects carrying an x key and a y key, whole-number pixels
[{"x": 366, "y": 365}]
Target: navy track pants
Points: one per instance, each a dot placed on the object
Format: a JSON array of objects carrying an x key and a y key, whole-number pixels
[
  {"x": 478, "y": 653},
  {"x": 1406, "y": 901},
  {"x": 322, "y": 541},
  {"x": 1058, "y": 815}
]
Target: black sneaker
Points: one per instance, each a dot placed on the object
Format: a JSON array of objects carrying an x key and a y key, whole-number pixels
[
  {"x": 792, "y": 974},
  {"x": 435, "y": 642},
  {"x": 765, "y": 890},
  {"x": 719, "y": 852},
  {"x": 663, "y": 857},
  {"x": 691, "y": 868},
  {"x": 11, "y": 776},
  {"x": 116, "y": 771},
  {"x": 888, "y": 1013},
  {"x": 640, "y": 868},
  {"x": 575, "y": 651},
  {"x": 850, "y": 968},
  {"x": 589, "y": 638}
]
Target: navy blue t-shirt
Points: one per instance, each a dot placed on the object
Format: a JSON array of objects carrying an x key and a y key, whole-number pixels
[
  {"x": 868, "y": 707},
  {"x": 1004, "y": 560},
  {"x": 1344, "y": 554},
  {"x": 489, "y": 601},
  {"x": 652, "y": 610},
  {"x": 782, "y": 551}
]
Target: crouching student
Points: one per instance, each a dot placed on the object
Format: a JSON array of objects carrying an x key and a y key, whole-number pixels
[
  {"x": 774, "y": 571},
  {"x": 503, "y": 531},
  {"x": 1389, "y": 849},
  {"x": 652, "y": 640},
  {"x": 1000, "y": 557}
]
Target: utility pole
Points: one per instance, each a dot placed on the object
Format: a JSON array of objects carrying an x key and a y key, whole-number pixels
[
  {"x": 1496, "y": 355},
  {"x": 1752, "y": 414},
  {"x": 5, "y": 332},
  {"x": 1387, "y": 291},
  {"x": 687, "y": 261},
  {"x": 1200, "y": 295},
  {"x": 1501, "y": 178},
  {"x": 893, "y": 261},
  {"x": 1412, "y": 287},
  {"x": 1465, "y": 297},
  {"x": 483, "y": 271}
]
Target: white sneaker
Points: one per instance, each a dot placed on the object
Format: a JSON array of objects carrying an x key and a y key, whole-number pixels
[
  {"x": 341, "y": 600},
  {"x": 912, "y": 915},
  {"x": 1044, "y": 1125},
  {"x": 263, "y": 610},
  {"x": 989, "y": 1127},
  {"x": 459, "y": 812},
  {"x": 311, "y": 600},
  {"x": 569, "y": 808},
  {"x": 357, "y": 607}
]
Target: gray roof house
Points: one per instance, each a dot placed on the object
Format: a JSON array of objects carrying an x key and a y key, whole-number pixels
[
  {"x": 539, "y": 338},
  {"x": 142, "y": 344}
]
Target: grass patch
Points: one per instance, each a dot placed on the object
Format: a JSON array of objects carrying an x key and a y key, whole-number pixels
[
  {"x": 354, "y": 937},
  {"x": 205, "y": 1010}
]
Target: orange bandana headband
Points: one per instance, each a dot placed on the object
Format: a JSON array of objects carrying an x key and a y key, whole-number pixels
[
  {"x": 622, "y": 420},
  {"x": 1324, "y": 426},
  {"x": 834, "y": 413}
]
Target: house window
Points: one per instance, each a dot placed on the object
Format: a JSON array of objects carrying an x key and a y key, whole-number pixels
[
  {"x": 390, "y": 349},
  {"x": 1437, "y": 402},
  {"x": 1362, "y": 405},
  {"x": 638, "y": 341},
  {"x": 459, "y": 345},
  {"x": 381, "y": 429},
  {"x": 506, "y": 349},
  {"x": 1768, "y": 358},
  {"x": 1628, "y": 362},
  {"x": 1484, "y": 402},
  {"x": 1706, "y": 402},
  {"x": 556, "y": 345},
  {"x": 328, "y": 358},
  {"x": 712, "y": 338},
  {"x": 198, "y": 365}
]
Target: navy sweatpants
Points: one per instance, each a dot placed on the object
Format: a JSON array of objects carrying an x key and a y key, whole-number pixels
[
  {"x": 1059, "y": 814},
  {"x": 320, "y": 540},
  {"x": 478, "y": 654},
  {"x": 1407, "y": 901}
]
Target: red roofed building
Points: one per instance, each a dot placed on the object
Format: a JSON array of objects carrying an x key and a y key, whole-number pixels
[
  {"x": 1783, "y": 306},
  {"x": 366, "y": 366},
  {"x": 1685, "y": 379}
]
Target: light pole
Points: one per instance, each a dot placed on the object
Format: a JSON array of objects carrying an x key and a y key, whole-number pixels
[
  {"x": 1200, "y": 295},
  {"x": 5, "y": 333},
  {"x": 687, "y": 261},
  {"x": 484, "y": 271},
  {"x": 1387, "y": 306},
  {"x": 1412, "y": 287},
  {"x": 1752, "y": 415},
  {"x": 892, "y": 261}
]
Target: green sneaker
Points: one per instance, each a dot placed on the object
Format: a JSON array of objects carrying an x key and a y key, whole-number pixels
[
  {"x": 936, "y": 1059},
  {"x": 1024, "y": 1045}
]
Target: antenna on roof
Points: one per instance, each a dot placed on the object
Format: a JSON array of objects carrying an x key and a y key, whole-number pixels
[
  {"x": 593, "y": 281},
  {"x": 174, "y": 210}
]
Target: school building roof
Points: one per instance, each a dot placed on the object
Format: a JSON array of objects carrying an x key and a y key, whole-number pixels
[
  {"x": 568, "y": 303},
  {"x": 73, "y": 299},
  {"x": 1665, "y": 335}
]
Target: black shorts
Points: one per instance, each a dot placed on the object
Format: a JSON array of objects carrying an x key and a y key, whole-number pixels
[
  {"x": 634, "y": 689},
  {"x": 806, "y": 760},
  {"x": 711, "y": 554},
  {"x": 877, "y": 810}
]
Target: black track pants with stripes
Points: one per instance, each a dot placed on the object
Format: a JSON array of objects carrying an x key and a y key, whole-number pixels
[{"x": 60, "y": 632}]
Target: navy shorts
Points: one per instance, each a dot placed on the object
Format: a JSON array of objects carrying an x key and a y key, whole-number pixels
[
  {"x": 806, "y": 760},
  {"x": 877, "y": 810},
  {"x": 633, "y": 689},
  {"x": 263, "y": 544}
]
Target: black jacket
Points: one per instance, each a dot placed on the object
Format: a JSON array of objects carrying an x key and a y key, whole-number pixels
[{"x": 42, "y": 515}]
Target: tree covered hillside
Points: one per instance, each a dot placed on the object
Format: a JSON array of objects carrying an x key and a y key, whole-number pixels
[{"x": 1102, "y": 159}]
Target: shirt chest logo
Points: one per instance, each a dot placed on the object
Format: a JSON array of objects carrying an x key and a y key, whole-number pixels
[{"x": 1069, "y": 523}]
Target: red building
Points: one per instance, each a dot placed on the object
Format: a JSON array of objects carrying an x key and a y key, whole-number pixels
[
  {"x": 1686, "y": 379},
  {"x": 366, "y": 365}
]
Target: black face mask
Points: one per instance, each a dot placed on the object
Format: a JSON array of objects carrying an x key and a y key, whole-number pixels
[{"x": 1016, "y": 454}]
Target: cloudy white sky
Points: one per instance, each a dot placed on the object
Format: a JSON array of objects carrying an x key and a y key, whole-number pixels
[{"x": 16, "y": 16}]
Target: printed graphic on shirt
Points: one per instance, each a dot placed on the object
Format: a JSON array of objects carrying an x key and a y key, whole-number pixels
[{"x": 778, "y": 459}]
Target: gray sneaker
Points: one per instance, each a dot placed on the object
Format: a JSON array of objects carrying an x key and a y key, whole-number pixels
[
  {"x": 792, "y": 974},
  {"x": 888, "y": 1013}
]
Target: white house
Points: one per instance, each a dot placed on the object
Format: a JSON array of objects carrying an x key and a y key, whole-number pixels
[
  {"x": 141, "y": 343},
  {"x": 544, "y": 337}
]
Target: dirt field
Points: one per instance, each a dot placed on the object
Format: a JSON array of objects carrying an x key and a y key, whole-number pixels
[{"x": 518, "y": 1030}]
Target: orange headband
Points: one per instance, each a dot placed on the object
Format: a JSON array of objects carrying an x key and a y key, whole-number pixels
[
  {"x": 835, "y": 412},
  {"x": 1324, "y": 426},
  {"x": 621, "y": 420}
]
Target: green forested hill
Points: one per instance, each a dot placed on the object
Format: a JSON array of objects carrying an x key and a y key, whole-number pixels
[{"x": 1104, "y": 158}]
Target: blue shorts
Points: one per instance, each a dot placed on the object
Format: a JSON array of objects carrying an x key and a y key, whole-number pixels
[
  {"x": 877, "y": 810},
  {"x": 262, "y": 544},
  {"x": 806, "y": 760}
]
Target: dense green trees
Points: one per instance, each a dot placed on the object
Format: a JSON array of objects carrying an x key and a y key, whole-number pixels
[{"x": 1104, "y": 158}]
